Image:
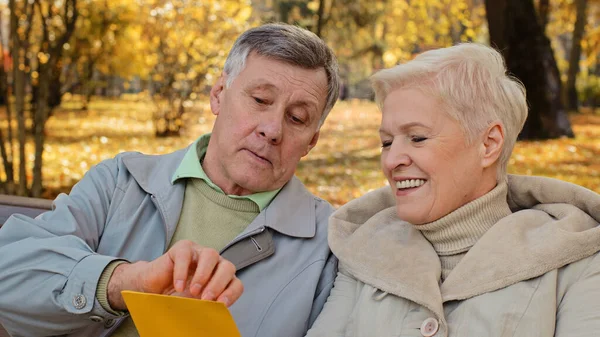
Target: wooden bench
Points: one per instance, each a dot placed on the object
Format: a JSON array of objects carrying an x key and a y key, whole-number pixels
[{"x": 9, "y": 205}]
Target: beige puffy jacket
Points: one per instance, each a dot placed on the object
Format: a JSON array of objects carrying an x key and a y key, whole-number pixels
[{"x": 535, "y": 273}]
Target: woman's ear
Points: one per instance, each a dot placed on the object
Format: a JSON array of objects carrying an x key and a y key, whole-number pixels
[{"x": 493, "y": 143}]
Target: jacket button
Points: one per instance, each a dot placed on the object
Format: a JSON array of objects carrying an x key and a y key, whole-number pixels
[
  {"x": 96, "y": 319},
  {"x": 429, "y": 327},
  {"x": 79, "y": 301},
  {"x": 109, "y": 323}
]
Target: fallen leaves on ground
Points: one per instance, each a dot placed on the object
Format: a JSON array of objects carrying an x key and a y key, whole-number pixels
[{"x": 343, "y": 166}]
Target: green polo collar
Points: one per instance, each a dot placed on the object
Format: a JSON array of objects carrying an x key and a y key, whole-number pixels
[{"x": 191, "y": 167}]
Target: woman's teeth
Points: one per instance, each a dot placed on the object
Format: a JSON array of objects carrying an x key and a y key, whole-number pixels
[{"x": 409, "y": 183}]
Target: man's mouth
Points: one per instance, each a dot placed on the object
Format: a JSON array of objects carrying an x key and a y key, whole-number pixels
[{"x": 259, "y": 157}]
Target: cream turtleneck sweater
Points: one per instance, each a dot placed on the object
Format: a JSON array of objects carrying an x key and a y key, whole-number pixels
[{"x": 454, "y": 234}]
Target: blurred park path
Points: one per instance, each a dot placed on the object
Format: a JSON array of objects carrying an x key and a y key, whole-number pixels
[{"x": 343, "y": 166}]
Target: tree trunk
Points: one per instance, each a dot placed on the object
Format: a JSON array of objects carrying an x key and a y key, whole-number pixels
[
  {"x": 18, "y": 56},
  {"x": 7, "y": 149},
  {"x": 516, "y": 32},
  {"x": 40, "y": 118},
  {"x": 320, "y": 18},
  {"x": 6, "y": 163},
  {"x": 88, "y": 87},
  {"x": 55, "y": 93},
  {"x": 3, "y": 75},
  {"x": 571, "y": 96},
  {"x": 6, "y": 140},
  {"x": 45, "y": 82},
  {"x": 543, "y": 13}
]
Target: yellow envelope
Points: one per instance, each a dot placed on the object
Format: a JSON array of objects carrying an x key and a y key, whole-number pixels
[{"x": 171, "y": 316}]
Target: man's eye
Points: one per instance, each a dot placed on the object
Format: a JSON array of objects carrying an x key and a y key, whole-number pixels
[
  {"x": 296, "y": 120},
  {"x": 259, "y": 100},
  {"x": 386, "y": 144}
]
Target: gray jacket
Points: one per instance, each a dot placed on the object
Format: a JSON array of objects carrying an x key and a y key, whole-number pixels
[{"x": 127, "y": 208}]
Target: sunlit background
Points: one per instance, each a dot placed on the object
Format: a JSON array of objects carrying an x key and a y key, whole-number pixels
[{"x": 82, "y": 80}]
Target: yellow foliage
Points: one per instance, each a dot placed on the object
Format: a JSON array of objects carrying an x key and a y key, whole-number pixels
[
  {"x": 344, "y": 164},
  {"x": 560, "y": 27},
  {"x": 391, "y": 31}
]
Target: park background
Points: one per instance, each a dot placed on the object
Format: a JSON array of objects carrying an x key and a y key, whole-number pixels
[{"x": 83, "y": 80}]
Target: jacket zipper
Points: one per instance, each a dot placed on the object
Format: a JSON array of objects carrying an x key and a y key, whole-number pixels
[
  {"x": 251, "y": 233},
  {"x": 258, "y": 247}
]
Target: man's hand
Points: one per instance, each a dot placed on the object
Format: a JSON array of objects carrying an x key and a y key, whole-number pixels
[{"x": 187, "y": 269}]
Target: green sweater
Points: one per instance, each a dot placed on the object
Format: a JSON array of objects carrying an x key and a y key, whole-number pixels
[
  {"x": 215, "y": 223},
  {"x": 208, "y": 217}
]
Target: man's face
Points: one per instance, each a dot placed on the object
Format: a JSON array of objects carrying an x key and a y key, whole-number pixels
[{"x": 266, "y": 121}]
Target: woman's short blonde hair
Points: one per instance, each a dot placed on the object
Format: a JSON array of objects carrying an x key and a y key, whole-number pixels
[{"x": 471, "y": 81}]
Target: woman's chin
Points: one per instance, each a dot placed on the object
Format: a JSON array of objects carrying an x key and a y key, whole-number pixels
[{"x": 409, "y": 217}]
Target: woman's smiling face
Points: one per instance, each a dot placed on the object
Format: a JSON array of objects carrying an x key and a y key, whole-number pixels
[{"x": 431, "y": 167}]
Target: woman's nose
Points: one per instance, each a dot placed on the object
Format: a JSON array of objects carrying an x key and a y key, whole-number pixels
[{"x": 396, "y": 157}]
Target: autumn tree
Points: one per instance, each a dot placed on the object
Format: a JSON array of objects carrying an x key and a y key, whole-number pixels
[
  {"x": 6, "y": 139},
  {"x": 185, "y": 43},
  {"x": 579, "y": 69},
  {"x": 575, "y": 54},
  {"x": 19, "y": 41},
  {"x": 517, "y": 33},
  {"x": 91, "y": 53},
  {"x": 543, "y": 13},
  {"x": 38, "y": 31},
  {"x": 4, "y": 57},
  {"x": 370, "y": 35}
]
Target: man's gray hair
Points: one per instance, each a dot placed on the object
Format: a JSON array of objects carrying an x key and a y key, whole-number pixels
[{"x": 290, "y": 44}]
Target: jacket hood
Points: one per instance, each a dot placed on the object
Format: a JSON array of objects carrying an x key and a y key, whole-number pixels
[{"x": 554, "y": 223}]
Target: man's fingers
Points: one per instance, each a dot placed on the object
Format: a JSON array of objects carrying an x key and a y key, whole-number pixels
[
  {"x": 182, "y": 257},
  {"x": 233, "y": 291},
  {"x": 212, "y": 275},
  {"x": 222, "y": 276},
  {"x": 207, "y": 261}
]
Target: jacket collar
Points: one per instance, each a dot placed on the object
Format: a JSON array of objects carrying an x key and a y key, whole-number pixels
[
  {"x": 292, "y": 211},
  {"x": 555, "y": 223},
  {"x": 377, "y": 248},
  {"x": 153, "y": 174}
]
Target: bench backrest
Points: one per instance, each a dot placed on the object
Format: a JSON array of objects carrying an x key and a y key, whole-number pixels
[{"x": 10, "y": 204}]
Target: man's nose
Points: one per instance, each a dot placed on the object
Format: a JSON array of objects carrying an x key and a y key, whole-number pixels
[{"x": 271, "y": 126}]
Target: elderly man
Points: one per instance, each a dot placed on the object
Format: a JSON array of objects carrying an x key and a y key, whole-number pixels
[{"x": 182, "y": 223}]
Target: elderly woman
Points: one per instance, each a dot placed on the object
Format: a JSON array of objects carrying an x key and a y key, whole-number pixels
[{"x": 456, "y": 247}]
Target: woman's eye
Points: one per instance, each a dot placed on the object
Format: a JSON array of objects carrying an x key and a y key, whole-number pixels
[
  {"x": 417, "y": 139},
  {"x": 386, "y": 144}
]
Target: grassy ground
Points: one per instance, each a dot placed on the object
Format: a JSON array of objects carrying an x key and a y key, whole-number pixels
[{"x": 343, "y": 166}]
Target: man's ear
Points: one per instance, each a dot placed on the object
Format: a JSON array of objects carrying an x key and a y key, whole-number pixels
[
  {"x": 215, "y": 94},
  {"x": 493, "y": 143},
  {"x": 312, "y": 143}
]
